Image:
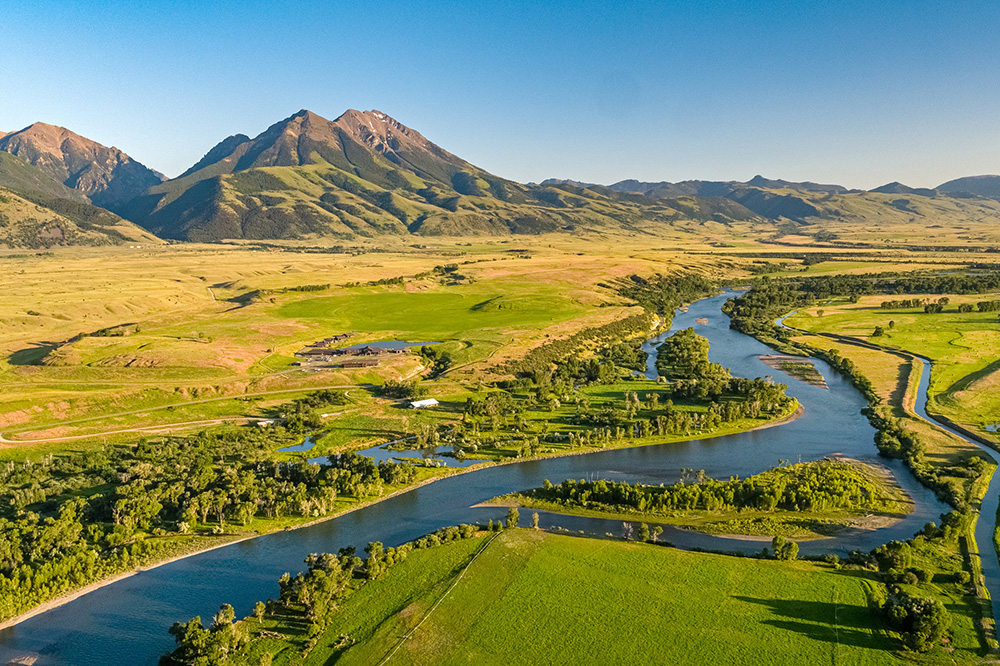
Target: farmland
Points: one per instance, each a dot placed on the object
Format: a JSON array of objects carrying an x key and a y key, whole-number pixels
[
  {"x": 638, "y": 601},
  {"x": 962, "y": 345}
]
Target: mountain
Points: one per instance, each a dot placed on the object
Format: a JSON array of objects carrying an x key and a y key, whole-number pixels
[
  {"x": 898, "y": 188},
  {"x": 715, "y": 188},
  {"x": 564, "y": 181},
  {"x": 984, "y": 186},
  {"x": 807, "y": 186},
  {"x": 107, "y": 177},
  {"x": 362, "y": 174},
  {"x": 34, "y": 219},
  {"x": 758, "y": 200}
]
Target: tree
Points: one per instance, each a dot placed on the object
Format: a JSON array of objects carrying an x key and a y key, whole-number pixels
[
  {"x": 879, "y": 332},
  {"x": 224, "y": 618},
  {"x": 375, "y": 564},
  {"x": 534, "y": 520},
  {"x": 512, "y": 517},
  {"x": 921, "y": 621},
  {"x": 657, "y": 531},
  {"x": 643, "y": 532},
  {"x": 784, "y": 549}
]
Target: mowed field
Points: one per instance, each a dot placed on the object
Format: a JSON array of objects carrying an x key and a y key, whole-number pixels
[
  {"x": 537, "y": 598},
  {"x": 965, "y": 349}
]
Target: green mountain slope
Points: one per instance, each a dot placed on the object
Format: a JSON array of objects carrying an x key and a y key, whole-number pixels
[
  {"x": 363, "y": 174},
  {"x": 16, "y": 174},
  {"x": 34, "y": 219}
]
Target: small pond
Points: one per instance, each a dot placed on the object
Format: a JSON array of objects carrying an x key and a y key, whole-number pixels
[{"x": 390, "y": 344}]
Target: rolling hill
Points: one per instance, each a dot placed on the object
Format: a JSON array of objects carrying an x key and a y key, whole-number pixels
[
  {"x": 38, "y": 211},
  {"x": 104, "y": 176},
  {"x": 37, "y": 220}
]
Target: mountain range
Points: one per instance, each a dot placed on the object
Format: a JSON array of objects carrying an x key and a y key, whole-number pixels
[{"x": 365, "y": 174}]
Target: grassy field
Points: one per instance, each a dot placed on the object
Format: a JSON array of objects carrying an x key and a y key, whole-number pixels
[
  {"x": 896, "y": 383},
  {"x": 197, "y": 350},
  {"x": 965, "y": 349},
  {"x": 533, "y": 597}
]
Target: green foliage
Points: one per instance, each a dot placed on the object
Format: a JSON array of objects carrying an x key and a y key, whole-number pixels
[
  {"x": 683, "y": 357},
  {"x": 816, "y": 486},
  {"x": 513, "y": 517},
  {"x": 67, "y": 521},
  {"x": 663, "y": 294},
  {"x": 922, "y": 621},
  {"x": 439, "y": 359},
  {"x": 540, "y": 359},
  {"x": 402, "y": 389},
  {"x": 784, "y": 549}
]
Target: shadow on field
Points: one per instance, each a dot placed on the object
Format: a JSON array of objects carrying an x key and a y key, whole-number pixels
[
  {"x": 32, "y": 355},
  {"x": 825, "y": 621},
  {"x": 902, "y": 381},
  {"x": 968, "y": 380}
]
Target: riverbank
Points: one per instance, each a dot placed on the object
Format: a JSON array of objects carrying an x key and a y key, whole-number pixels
[
  {"x": 96, "y": 585},
  {"x": 449, "y": 472}
]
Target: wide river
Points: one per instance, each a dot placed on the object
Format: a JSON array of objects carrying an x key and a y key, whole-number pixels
[{"x": 126, "y": 622}]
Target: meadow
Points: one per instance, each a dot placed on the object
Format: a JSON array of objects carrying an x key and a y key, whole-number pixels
[
  {"x": 964, "y": 347},
  {"x": 207, "y": 352},
  {"x": 533, "y": 597}
]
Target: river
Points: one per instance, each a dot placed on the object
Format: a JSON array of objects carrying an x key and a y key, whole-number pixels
[{"x": 126, "y": 622}]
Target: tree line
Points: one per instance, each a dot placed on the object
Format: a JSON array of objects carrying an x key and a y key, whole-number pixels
[{"x": 816, "y": 486}]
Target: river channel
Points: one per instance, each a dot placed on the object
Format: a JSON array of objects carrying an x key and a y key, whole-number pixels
[{"x": 126, "y": 622}]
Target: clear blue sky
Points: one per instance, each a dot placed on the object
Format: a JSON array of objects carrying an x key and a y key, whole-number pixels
[{"x": 858, "y": 93}]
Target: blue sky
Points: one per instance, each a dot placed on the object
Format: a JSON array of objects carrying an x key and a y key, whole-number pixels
[{"x": 858, "y": 93}]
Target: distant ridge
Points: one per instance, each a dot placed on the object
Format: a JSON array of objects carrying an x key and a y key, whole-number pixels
[
  {"x": 899, "y": 188},
  {"x": 564, "y": 181},
  {"x": 984, "y": 186},
  {"x": 807, "y": 186}
]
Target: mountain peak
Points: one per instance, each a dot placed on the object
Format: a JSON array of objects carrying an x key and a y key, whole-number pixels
[
  {"x": 896, "y": 187},
  {"x": 105, "y": 174},
  {"x": 987, "y": 185},
  {"x": 307, "y": 116}
]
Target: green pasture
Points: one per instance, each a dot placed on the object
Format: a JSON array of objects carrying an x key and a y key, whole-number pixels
[
  {"x": 533, "y": 597},
  {"x": 965, "y": 348}
]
